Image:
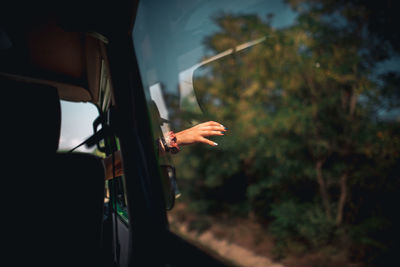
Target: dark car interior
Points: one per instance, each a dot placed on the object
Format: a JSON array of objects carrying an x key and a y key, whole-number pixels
[{"x": 53, "y": 202}]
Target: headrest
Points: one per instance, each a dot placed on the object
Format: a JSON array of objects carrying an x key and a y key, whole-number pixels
[{"x": 33, "y": 116}]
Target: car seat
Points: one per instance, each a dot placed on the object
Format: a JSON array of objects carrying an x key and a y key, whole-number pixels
[{"x": 52, "y": 202}]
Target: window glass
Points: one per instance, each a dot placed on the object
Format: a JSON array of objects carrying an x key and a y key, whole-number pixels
[
  {"x": 309, "y": 93},
  {"x": 76, "y": 125}
]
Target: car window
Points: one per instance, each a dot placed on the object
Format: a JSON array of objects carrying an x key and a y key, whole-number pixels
[
  {"x": 308, "y": 92},
  {"x": 76, "y": 125}
]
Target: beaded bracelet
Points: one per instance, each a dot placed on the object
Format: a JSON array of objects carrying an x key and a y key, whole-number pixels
[{"x": 169, "y": 142}]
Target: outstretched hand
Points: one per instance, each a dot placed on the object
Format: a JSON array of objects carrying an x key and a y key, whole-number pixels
[{"x": 198, "y": 133}]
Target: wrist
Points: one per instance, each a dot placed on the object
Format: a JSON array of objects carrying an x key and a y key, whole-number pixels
[
  {"x": 169, "y": 142},
  {"x": 179, "y": 138}
]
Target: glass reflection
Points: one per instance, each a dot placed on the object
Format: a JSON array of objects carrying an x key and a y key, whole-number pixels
[{"x": 309, "y": 92}]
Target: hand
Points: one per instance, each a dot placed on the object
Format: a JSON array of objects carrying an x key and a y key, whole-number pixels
[{"x": 197, "y": 133}]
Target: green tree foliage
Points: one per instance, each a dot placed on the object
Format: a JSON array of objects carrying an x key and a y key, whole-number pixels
[{"x": 310, "y": 145}]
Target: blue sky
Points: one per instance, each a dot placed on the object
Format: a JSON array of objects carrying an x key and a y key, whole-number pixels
[{"x": 76, "y": 124}]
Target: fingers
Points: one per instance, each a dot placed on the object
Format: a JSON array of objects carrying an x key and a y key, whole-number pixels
[
  {"x": 213, "y": 128},
  {"x": 212, "y": 123},
  {"x": 205, "y": 129},
  {"x": 211, "y": 133},
  {"x": 208, "y": 142}
]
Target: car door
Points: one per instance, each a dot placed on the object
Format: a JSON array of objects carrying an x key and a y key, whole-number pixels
[{"x": 149, "y": 239}]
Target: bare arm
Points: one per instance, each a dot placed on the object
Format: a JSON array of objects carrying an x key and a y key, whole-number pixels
[{"x": 195, "y": 134}]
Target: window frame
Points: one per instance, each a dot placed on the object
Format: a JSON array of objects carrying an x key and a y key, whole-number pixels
[{"x": 150, "y": 239}]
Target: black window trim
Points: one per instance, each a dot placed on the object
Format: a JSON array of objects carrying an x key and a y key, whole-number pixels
[{"x": 150, "y": 239}]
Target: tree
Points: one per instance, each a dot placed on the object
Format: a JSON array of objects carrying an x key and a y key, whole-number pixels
[{"x": 303, "y": 109}]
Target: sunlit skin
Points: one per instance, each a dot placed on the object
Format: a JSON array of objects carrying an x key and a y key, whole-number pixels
[
  {"x": 193, "y": 135},
  {"x": 198, "y": 133}
]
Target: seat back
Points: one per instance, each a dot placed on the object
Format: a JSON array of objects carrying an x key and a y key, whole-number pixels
[{"x": 53, "y": 203}]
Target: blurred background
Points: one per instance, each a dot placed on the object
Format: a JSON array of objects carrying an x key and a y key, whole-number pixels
[{"x": 308, "y": 172}]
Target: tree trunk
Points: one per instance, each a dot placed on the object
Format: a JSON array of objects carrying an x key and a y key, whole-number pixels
[
  {"x": 322, "y": 189},
  {"x": 342, "y": 198}
]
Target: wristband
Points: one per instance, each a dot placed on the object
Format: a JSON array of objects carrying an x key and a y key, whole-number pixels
[{"x": 169, "y": 142}]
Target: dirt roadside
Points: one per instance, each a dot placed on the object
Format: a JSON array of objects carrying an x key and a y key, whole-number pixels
[
  {"x": 237, "y": 254},
  {"x": 231, "y": 243},
  {"x": 245, "y": 243}
]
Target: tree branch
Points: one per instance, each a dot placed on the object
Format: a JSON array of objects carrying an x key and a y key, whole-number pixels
[
  {"x": 323, "y": 188},
  {"x": 342, "y": 198}
]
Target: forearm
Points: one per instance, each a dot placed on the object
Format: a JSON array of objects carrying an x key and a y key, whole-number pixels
[
  {"x": 117, "y": 169},
  {"x": 170, "y": 142}
]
